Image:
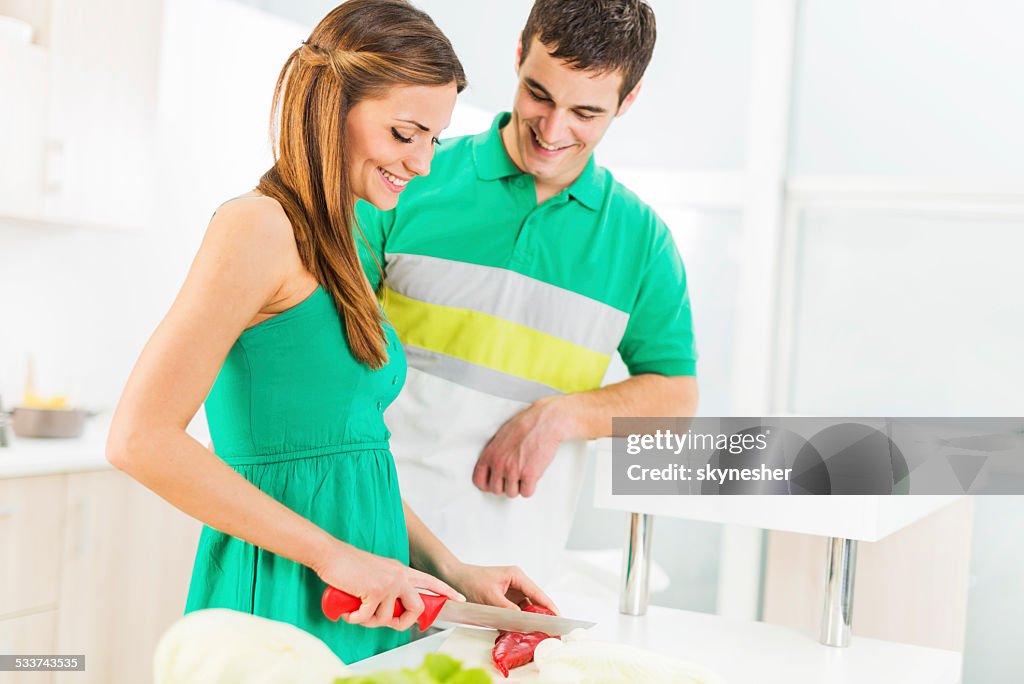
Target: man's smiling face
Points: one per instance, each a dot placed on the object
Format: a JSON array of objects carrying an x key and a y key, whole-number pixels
[{"x": 559, "y": 115}]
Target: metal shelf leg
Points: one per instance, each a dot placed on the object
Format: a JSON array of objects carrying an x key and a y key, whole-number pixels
[
  {"x": 837, "y": 616},
  {"x": 636, "y": 566}
]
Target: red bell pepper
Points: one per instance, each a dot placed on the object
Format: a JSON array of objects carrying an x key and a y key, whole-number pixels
[{"x": 513, "y": 649}]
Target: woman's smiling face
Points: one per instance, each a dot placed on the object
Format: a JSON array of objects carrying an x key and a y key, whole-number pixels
[{"x": 391, "y": 139}]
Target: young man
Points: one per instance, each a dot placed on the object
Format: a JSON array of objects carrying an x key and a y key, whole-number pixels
[{"x": 512, "y": 273}]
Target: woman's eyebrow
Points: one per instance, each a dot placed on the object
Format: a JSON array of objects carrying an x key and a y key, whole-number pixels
[{"x": 417, "y": 124}]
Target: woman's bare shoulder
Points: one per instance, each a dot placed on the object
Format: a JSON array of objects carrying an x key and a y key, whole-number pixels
[
  {"x": 248, "y": 244},
  {"x": 252, "y": 239},
  {"x": 255, "y": 217}
]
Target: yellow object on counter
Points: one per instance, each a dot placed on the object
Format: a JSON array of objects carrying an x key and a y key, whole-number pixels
[{"x": 36, "y": 401}]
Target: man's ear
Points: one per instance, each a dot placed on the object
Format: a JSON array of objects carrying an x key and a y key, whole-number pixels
[
  {"x": 627, "y": 102},
  {"x": 519, "y": 52}
]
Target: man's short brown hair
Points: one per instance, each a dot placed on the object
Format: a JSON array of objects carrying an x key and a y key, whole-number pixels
[{"x": 595, "y": 35}]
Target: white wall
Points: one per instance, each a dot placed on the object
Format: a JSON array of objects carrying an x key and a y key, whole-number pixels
[{"x": 82, "y": 303}]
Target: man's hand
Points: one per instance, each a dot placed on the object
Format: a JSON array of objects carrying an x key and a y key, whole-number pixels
[
  {"x": 516, "y": 457},
  {"x": 521, "y": 450}
]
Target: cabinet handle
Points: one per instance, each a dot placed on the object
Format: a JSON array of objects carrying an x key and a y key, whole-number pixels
[
  {"x": 9, "y": 510},
  {"x": 53, "y": 167}
]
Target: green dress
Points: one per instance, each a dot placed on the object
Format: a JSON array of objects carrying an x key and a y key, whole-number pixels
[{"x": 299, "y": 417}]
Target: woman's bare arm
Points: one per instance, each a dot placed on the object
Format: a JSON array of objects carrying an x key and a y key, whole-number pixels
[{"x": 243, "y": 269}]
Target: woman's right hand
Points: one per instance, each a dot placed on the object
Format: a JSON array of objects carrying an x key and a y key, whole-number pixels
[{"x": 378, "y": 582}]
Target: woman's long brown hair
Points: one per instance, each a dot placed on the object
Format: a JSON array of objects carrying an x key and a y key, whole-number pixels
[{"x": 356, "y": 52}]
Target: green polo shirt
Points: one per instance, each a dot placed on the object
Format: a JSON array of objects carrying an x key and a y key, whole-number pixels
[{"x": 492, "y": 291}]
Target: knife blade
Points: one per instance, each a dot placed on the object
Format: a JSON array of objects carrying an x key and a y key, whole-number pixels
[
  {"x": 508, "y": 619},
  {"x": 336, "y": 603}
]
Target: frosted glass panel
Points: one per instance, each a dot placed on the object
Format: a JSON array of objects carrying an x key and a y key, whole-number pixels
[
  {"x": 995, "y": 599},
  {"x": 908, "y": 314},
  {"x": 921, "y": 87}
]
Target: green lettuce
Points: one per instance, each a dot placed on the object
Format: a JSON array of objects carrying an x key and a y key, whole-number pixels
[{"x": 437, "y": 668}]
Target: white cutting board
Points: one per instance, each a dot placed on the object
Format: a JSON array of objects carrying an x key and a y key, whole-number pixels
[{"x": 473, "y": 647}]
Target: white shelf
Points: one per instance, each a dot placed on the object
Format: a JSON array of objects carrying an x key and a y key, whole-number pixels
[
  {"x": 864, "y": 518},
  {"x": 738, "y": 650}
]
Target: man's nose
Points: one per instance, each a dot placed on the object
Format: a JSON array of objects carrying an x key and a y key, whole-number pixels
[{"x": 554, "y": 126}]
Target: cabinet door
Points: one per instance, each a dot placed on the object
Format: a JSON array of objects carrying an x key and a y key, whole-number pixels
[
  {"x": 101, "y": 150},
  {"x": 28, "y": 635},
  {"x": 128, "y": 561},
  {"x": 22, "y": 128},
  {"x": 31, "y": 515}
]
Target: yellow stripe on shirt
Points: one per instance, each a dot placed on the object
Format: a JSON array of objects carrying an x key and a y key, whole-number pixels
[{"x": 496, "y": 343}]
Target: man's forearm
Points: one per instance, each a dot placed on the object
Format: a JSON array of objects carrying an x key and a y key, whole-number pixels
[{"x": 588, "y": 415}]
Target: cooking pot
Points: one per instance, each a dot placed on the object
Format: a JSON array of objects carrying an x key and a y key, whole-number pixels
[{"x": 34, "y": 422}]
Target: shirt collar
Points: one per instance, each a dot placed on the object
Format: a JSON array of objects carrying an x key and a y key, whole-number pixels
[
  {"x": 492, "y": 162},
  {"x": 587, "y": 189}
]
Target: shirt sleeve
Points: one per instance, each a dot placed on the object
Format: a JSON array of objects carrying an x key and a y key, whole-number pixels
[
  {"x": 375, "y": 226},
  {"x": 659, "y": 336}
]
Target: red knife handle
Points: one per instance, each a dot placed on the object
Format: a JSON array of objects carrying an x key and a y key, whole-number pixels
[{"x": 336, "y": 603}]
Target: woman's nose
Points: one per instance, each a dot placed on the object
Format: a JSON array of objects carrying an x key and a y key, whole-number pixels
[{"x": 418, "y": 163}]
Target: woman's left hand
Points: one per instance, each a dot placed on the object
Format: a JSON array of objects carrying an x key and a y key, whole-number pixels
[{"x": 505, "y": 586}]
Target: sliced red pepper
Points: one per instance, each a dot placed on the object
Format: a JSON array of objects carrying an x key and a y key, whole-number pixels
[{"x": 513, "y": 649}]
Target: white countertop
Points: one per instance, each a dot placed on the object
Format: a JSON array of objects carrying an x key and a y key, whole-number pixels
[
  {"x": 24, "y": 456},
  {"x": 738, "y": 650}
]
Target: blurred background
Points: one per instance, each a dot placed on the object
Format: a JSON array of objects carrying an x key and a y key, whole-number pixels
[{"x": 844, "y": 180}]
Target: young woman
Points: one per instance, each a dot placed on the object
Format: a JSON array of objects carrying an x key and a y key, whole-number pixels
[{"x": 277, "y": 328}]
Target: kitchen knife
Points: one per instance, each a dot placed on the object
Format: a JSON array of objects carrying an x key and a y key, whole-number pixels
[{"x": 336, "y": 603}]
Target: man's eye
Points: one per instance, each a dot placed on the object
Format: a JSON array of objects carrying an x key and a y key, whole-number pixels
[
  {"x": 399, "y": 137},
  {"x": 584, "y": 117},
  {"x": 537, "y": 97}
]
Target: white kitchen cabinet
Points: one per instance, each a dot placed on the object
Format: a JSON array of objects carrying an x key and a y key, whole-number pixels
[
  {"x": 127, "y": 563},
  {"x": 101, "y": 150},
  {"x": 93, "y": 564},
  {"x": 23, "y": 78},
  {"x": 30, "y": 634},
  {"x": 139, "y": 101},
  {"x": 84, "y": 149},
  {"x": 31, "y": 521}
]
